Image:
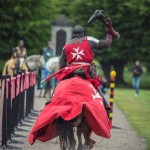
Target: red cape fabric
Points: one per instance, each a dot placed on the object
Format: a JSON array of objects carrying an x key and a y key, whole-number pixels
[
  {"x": 26, "y": 82},
  {"x": 64, "y": 72},
  {"x": 13, "y": 80},
  {"x": 18, "y": 84},
  {"x": 71, "y": 96}
]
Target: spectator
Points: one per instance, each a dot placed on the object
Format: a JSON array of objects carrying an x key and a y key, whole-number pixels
[
  {"x": 48, "y": 52},
  {"x": 137, "y": 72}
]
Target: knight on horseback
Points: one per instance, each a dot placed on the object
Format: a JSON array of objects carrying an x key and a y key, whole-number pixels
[
  {"x": 76, "y": 101},
  {"x": 21, "y": 50},
  {"x": 79, "y": 52},
  {"x": 21, "y": 54},
  {"x": 17, "y": 60},
  {"x": 48, "y": 53}
]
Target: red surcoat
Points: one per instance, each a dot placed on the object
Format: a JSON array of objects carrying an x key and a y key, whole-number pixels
[{"x": 79, "y": 51}]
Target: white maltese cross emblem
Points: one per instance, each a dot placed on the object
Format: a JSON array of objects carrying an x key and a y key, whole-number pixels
[{"x": 78, "y": 53}]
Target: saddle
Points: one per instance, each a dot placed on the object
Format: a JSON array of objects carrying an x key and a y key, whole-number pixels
[{"x": 92, "y": 72}]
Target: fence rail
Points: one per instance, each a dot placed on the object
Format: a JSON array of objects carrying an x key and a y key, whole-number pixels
[{"x": 16, "y": 103}]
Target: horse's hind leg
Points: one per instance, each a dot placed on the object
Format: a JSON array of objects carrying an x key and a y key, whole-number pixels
[
  {"x": 86, "y": 133},
  {"x": 40, "y": 93},
  {"x": 72, "y": 141},
  {"x": 79, "y": 132},
  {"x": 67, "y": 140},
  {"x": 45, "y": 91}
]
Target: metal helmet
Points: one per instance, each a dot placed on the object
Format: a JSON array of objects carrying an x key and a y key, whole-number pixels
[{"x": 78, "y": 31}]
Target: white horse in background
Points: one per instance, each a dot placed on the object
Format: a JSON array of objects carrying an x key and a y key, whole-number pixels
[
  {"x": 52, "y": 65},
  {"x": 35, "y": 61}
]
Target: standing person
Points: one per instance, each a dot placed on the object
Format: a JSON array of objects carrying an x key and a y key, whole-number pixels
[
  {"x": 137, "y": 72},
  {"x": 48, "y": 52}
]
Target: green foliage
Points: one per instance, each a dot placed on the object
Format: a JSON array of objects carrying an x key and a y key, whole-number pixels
[
  {"x": 30, "y": 20},
  {"x": 130, "y": 19},
  {"x": 136, "y": 109},
  {"x": 2, "y": 63},
  {"x": 27, "y": 20}
]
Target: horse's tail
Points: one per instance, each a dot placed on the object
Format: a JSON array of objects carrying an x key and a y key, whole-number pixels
[{"x": 66, "y": 134}]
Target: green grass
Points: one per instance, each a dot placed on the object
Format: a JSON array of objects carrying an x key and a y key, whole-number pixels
[{"x": 137, "y": 110}]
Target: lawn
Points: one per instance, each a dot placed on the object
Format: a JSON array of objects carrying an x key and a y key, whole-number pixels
[{"x": 137, "y": 110}]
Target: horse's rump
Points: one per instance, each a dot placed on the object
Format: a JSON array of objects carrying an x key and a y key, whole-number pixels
[{"x": 71, "y": 97}]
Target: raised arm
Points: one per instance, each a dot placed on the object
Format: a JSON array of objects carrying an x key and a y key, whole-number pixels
[{"x": 100, "y": 44}]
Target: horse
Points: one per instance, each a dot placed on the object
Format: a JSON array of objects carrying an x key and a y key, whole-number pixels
[
  {"x": 14, "y": 65},
  {"x": 51, "y": 66},
  {"x": 21, "y": 65},
  {"x": 75, "y": 103},
  {"x": 9, "y": 67},
  {"x": 66, "y": 131},
  {"x": 35, "y": 61}
]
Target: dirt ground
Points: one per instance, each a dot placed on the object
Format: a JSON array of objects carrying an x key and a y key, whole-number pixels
[{"x": 123, "y": 137}]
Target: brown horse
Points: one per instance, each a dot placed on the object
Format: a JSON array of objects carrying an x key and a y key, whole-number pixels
[
  {"x": 66, "y": 131},
  {"x": 72, "y": 106},
  {"x": 14, "y": 65},
  {"x": 9, "y": 67}
]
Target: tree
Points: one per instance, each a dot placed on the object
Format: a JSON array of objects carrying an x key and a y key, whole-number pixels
[
  {"x": 130, "y": 19},
  {"x": 30, "y": 20},
  {"x": 27, "y": 20}
]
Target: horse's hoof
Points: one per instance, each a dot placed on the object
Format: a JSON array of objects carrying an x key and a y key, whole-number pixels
[
  {"x": 4, "y": 146},
  {"x": 80, "y": 147},
  {"x": 86, "y": 147}
]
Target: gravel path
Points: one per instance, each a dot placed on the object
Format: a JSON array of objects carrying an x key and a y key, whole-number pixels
[{"x": 123, "y": 137}]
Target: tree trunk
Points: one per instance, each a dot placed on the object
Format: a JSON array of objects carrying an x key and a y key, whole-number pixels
[
  {"x": 106, "y": 69},
  {"x": 119, "y": 65}
]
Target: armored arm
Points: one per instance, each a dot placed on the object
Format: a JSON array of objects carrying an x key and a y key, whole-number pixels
[
  {"x": 110, "y": 29},
  {"x": 106, "y": 21},
  {"x": 100, "y": 44}
]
